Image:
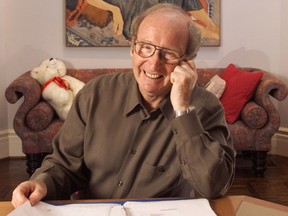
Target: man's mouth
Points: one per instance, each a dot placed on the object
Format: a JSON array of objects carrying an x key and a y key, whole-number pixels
[{"x": 152, "y": 76}]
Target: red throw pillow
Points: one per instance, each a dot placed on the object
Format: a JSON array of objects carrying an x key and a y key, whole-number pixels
[{"x": 240, "y": 87}]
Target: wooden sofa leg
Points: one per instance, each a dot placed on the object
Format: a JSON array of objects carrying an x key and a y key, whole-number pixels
[
  {"x": 34, "y": 161},
  {"x": 259, "y": 163}
]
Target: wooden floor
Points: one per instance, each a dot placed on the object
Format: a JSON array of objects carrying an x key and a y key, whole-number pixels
[{"x": 273, "y": 187}]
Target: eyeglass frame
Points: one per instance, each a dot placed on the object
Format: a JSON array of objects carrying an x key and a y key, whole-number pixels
[{"x": 157, "y": 48}]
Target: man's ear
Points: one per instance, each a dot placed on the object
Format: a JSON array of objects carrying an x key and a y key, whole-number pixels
[
  {"x": 132, "y": 46},
  {"x": 131, "y": 51}
]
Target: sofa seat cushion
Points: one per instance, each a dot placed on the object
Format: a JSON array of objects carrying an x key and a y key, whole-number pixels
[{"x": 248, "y": 139}]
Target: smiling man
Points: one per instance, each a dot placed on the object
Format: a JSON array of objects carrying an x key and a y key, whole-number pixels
[
  {"x": 157, "y": 54},
  {"x": 153, "y": 133}
]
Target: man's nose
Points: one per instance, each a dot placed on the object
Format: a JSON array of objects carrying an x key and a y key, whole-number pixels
[{"x": 155, "y": 60}]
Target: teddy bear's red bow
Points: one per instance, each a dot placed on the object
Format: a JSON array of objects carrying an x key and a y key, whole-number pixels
[{"x": 59, "y": 81}]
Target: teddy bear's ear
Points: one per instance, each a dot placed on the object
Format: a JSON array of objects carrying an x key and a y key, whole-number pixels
[
  {"x": 45, "y": 62},
  {"x": 34, "y": 73}
]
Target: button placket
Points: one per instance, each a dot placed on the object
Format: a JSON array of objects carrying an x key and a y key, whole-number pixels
[
  {"x": 120, "y": 189},
  {"x": 175, "y": 131},
  {"x": 120, "y": 183},
  {"x": 183, "y": 162}
]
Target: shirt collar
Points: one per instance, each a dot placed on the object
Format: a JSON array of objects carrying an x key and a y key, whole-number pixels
[
  {"x": 134, "y": 99},
  {"x": 134, "y": 102}
]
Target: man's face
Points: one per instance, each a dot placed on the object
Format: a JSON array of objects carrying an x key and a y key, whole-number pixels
[{"x": 152, "y": 73}]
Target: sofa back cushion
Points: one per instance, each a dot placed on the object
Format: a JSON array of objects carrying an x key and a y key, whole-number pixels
[
  {"x": 240, "y": 84},
  {"x": 240, "y": 87}
]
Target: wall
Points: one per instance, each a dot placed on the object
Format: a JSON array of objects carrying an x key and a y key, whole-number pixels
[{"x": 254, "y": 34}]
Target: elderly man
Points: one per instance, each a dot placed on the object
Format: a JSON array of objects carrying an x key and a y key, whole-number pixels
[{"x": 153, "y": 133}]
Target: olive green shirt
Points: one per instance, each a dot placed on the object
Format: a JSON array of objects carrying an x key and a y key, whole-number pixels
[{"x": 111, "y": 147}]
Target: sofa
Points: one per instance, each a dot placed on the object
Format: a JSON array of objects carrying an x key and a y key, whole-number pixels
[{"x": 36, "y": 123}]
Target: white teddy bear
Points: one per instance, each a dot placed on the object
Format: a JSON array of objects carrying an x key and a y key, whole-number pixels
[{"x": 58, "y": 89}]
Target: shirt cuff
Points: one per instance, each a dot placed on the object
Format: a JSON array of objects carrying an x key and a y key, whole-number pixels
[{"x": 187, "y": 126}]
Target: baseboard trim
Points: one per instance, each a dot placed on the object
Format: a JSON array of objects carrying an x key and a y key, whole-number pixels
[
  {"x": 13, "y": 158},
  {"x": 10, "y": 144},
  {"x": 280, "y": 142},
  {"x": 4, "y": 144}
]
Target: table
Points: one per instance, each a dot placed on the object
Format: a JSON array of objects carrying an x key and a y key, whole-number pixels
[{"x": 226, "y": 206}]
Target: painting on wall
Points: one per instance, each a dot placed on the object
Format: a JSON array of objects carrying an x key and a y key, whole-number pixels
[{"x": 98, "y": 23}]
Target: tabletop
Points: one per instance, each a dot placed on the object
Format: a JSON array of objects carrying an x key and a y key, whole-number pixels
[{"x": 225, "y": 206}]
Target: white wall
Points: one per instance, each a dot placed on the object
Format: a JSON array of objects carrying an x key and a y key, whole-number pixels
[{"x": 254, "y": 34}]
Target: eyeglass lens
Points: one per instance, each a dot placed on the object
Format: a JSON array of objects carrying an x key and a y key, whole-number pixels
[{"x": 147, "y": 50}]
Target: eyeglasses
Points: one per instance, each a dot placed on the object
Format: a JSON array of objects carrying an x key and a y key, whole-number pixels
[{"x": 146, "y": 50}]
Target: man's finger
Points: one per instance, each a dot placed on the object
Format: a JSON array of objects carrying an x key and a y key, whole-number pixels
[
  {"x": 18, "y": 199},
  {"x": 192, "y": 64}
]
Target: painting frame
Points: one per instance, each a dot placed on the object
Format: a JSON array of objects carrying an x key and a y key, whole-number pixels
[{"x": 92, "y": 24}]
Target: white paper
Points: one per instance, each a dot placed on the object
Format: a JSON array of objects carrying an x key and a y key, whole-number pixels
[
  {"x": 183, "y": 207},
  {"x": 44, "y": 209},
  {"x": 189, "y": 207}
]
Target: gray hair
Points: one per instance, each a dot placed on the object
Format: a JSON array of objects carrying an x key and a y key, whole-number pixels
[{"x": 194, "y": 32}]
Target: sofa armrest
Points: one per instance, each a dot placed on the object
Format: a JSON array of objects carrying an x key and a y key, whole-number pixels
[
  {"x": 270, "y": 85},
  {"x": 40, "y": 116},
  {"x": 253, "y": 115},
  {"x": 30, "y": 89}
]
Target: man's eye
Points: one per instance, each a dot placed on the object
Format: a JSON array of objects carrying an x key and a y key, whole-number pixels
[
  {"x": 170, "y": 55},
  {"x": 147, "y": 47}
]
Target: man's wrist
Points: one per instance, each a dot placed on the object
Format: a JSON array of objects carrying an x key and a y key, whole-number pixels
[{"x": 183, "y": 112}]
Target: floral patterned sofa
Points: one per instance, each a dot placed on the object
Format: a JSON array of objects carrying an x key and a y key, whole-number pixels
[{"x": 36, "y": 123}]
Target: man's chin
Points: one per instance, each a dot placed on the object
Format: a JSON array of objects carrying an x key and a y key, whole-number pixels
[{"x": 153, "y": 91}]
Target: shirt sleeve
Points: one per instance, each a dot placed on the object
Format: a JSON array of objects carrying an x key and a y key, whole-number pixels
[
  {"x": 204, "y": 146},
  {"x": 64, "y": 171}
]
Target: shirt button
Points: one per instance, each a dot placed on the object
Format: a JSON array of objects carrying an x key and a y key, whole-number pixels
[
  {"x": 161, "y": 169},
  {"x": 183, "y": 162},
  {"x": 133, "y": 152},
  {"x": 175, "y": 131},
  {"x": 120, "y": 183}
]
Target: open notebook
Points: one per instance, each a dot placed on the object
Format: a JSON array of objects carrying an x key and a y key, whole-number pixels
[{"x": 183, "y": 207}]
